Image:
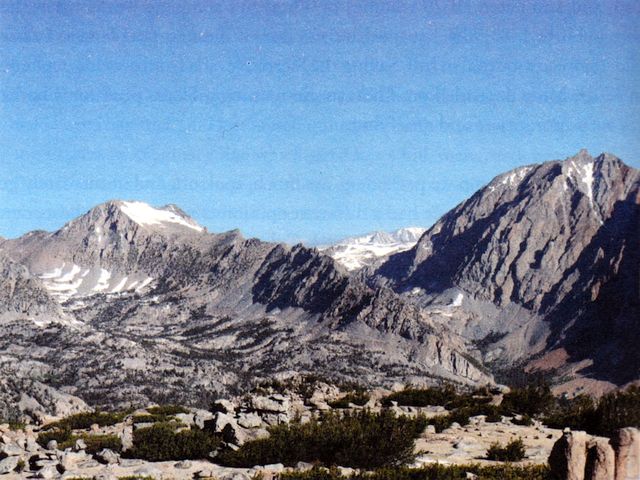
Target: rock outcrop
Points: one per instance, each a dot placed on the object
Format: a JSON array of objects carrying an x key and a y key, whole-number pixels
[{"x": 575, "y": 456}]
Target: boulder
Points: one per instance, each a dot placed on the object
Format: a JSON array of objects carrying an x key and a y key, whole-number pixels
[
  {"x": 601, "y": 461},
  {"x": 126, "y": 437},
  {"x": 249, "y": 420},
  {"x": 272, "y": 419},
  {"x": 568, "y": 456},
  {"x": 8, "y": 465},
  {"x": 304, "y": 466},
  {"x": 274, "y": 404},
  {"x": 224, "y": 406},
  {"x": 186, "y": 418},
  {"x": 70, "y": 460},
  {"x": 52, "y": 445},
  {"x": 11, "y": 449},
  {"x": 108, "y": 457},
  {"x": 626, "y": 443},
  {"x": 48, "y": 472},
  {"x": 319, "y": 404},
  {"x": 274, "y": 467},
  {"x": 80, "y": 445},
  {"x": 201, "y": 417},
  {"x": 31, "y": 445}
]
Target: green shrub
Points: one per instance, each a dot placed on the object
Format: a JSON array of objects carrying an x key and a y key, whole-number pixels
[
  {"x": 618, "y": 410},
  {"x": 441, "y": 422},
  {"x": 422, "y": 397},
  {"x": 154, "y": 418},
  {"x": 524, "y": 420},
  {"x": 359, "y": 439},
  {"x": 95, "y": 443},
  {"x": 167, "y": 410},
  {"x": 511, "y": 452},
  {"x": 161, "y": 442},
  {"x": 60, "y": 435},
  {"x": 430, "y": 472},
  {"x": 81, "y": 421},
  {"x": 603, "y": 417},
  {"x": 531, "y": 400},
  {"x": 357, "y": 398},
  {"x": 66, "y": 439}
]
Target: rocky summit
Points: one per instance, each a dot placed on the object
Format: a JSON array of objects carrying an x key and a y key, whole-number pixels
[{"x": 541, "y": 268}]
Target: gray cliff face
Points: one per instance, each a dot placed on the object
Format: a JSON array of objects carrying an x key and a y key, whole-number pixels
[
  {"x": 158, "y": 309},
  {"x": 535, "y": 256},
  {"x": 23, "y": 294}
]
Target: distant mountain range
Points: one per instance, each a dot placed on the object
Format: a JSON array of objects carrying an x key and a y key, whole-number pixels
[
  {"x": 129, "y": 303},
  {"x": 355, "y": 253}
]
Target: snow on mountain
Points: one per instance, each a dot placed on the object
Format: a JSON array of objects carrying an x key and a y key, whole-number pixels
[
  {"x": 144, "y": 214},
  {"x": 355, "y": 253}
]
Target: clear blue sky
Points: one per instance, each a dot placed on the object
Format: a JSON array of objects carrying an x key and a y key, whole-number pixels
[{"x": 302, "y": 121}]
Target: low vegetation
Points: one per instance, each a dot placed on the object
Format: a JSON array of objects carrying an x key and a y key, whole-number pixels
[
  {"x": 67, "y": 439},
  {"x": 167, "y": 410},
  {"x": 360, "y": 439},
  {"x": 430, "y": 472},
  {"x": 511, "y": 452},
  {"x": 355, "y": 398},
  {"x": 422, "y": 397},
  {"x": 161, "y": 442},
  {"x": 154, "y": 418},
  {"x": 598, "y": 417},
  {"x": 82, "y": 421}
]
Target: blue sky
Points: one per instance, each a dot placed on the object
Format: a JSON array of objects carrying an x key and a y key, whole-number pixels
[{"x": 302, "y": 121}]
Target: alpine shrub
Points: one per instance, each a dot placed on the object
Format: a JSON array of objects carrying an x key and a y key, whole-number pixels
[
  {"x": 161, "y": 442},
  {"x": 511, "y": 452},
  {"x": 360, "y": 439}
]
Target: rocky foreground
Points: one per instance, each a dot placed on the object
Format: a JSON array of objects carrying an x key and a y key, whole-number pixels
[{"x": 238, "y": 420}]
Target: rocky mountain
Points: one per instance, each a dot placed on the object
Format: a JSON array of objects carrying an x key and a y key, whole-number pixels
[
  {"x": 129, "y": 304},
  {"x": 540, "y": 267},
  {"x": 355, "y": 253}
]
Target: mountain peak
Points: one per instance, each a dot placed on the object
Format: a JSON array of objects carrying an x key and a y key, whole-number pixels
[
  {"x": 582, "y": 156},
  {"x": 139, "y": 213}
]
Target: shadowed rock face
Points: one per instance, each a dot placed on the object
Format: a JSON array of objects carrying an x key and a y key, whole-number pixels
[
  {"x": 546, "y": 257},
  {"x": 159, "y": 309}
]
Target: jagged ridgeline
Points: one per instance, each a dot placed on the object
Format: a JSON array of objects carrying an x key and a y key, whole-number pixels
[{"x": 131, "y": 304}]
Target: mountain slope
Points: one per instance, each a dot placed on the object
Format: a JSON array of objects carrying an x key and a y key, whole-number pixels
[
  {"x": 533, "y": 258},
  {"x": 355, "y": 253},
  {"x": 157, "y": 303}
]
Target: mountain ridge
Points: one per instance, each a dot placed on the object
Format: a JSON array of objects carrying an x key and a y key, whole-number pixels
[{"x": 513, "y": 249}]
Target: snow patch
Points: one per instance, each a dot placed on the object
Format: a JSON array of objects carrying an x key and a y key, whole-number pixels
[
  {"x": 144, "y": 214},
  {"x": 144, "y": 283},
  {"x": 120, "y": 285},
  {"x": 457, "y": 302}
]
